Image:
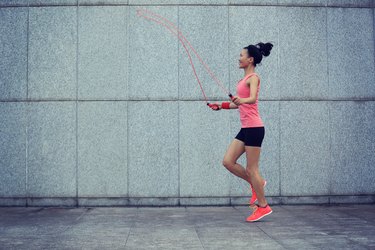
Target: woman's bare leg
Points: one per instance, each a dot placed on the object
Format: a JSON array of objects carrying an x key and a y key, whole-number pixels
[
  {"x": 235, "y": 150},
  {"x": 252, "y": 170}
]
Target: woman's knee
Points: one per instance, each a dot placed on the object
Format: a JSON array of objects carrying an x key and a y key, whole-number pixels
[
  {"x": 228, "y": 163},
  {"x": 252, "y": 170}
]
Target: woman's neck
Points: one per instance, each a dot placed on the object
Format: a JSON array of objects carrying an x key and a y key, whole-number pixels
[{"x": 249, "y": 70}]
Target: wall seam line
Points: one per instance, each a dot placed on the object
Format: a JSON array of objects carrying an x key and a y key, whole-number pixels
[
  {"x": 228, "y": 86},
  {"x": 278, "y": 4},
  {"x": 373, "y": 33},
  {"x": 188, "y": 100},
  {"x": 329, "y": 113},
  {"x": 76, "y": 102},
  {"x": 127, "y": 106},
  {"x": 26, "y": 108},
  {"x": 178, "y": 109},
  {"x": 279, "y": 106}
]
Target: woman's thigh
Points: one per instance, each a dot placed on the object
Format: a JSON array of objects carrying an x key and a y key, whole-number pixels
[
  {"x": 252, "y": 156},
  {"x": 234, "y": 151}
]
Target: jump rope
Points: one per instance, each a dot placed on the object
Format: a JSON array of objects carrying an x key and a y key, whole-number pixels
[{"x": 148, "y": 15}]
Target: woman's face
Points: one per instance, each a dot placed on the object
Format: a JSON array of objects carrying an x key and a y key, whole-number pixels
[{"x": 244, "y": 60}]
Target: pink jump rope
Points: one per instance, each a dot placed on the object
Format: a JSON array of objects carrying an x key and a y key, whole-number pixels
[{"x": 175, "y": 31}]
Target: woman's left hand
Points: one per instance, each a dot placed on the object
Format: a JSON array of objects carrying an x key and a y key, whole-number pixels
[{"x": 236, "y": 100}]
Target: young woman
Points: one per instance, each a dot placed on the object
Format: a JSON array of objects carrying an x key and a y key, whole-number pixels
[{"x": 249, "y": 139}]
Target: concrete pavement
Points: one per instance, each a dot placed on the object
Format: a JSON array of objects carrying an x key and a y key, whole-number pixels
[{"x": 288, "y": 227}]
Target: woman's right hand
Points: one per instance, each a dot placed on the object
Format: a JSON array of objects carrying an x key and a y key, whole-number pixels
[{"x": 215, "y": 106}]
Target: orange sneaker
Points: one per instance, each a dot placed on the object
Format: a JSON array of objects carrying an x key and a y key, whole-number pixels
[
  {"x": 254, "y": 197},
  {"x": 259, "y": 213}
]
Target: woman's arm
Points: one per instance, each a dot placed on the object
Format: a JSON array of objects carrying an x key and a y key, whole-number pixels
[
  {"x": 223, "y": 105},
  {"x": 253, "y": 84},
  {"x": 233, "y": 106}
]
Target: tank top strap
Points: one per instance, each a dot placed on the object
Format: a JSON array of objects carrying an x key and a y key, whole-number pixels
[{"x": 250, "y": 75}]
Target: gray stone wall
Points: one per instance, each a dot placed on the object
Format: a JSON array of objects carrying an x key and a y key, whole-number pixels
[{"x": 100, "y": 107}]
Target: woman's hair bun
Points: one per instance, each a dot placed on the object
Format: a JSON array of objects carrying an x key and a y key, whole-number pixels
[
  {"x": 265, "y": 48},
  {"x": 258, "y": 51}
]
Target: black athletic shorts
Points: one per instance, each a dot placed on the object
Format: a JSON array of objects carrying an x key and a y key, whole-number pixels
[{"x": 251, "y": 136}]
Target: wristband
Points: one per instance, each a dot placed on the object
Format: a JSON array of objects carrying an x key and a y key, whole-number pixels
[{"x": 225, "y": 105}]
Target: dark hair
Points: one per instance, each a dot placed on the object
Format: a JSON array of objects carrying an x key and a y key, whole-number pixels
[{"x": 258, "y": 51}]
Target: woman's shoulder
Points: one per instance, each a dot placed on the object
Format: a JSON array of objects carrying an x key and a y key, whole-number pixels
[{"x": 251, "y": 76}]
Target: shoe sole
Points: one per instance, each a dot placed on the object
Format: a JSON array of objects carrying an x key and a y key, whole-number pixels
[
  {"x": 260, "y": 217},
  {"x": 265, "y": 183}
]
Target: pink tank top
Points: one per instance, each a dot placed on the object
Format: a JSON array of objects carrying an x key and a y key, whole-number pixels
[{"x": 249, "y": 114}]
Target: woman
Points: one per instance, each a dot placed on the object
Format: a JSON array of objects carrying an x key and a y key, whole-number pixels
[{"x": 249, "y": 139}]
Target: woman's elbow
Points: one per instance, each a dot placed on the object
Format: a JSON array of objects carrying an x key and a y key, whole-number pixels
[{"x": 251, "y": 101}]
